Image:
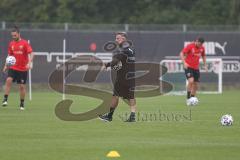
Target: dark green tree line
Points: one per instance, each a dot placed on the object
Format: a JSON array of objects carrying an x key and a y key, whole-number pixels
[{"x": 122, "y": 11}]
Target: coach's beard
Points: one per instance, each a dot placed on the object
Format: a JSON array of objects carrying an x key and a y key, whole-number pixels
[{"x": 16, "y": 39}]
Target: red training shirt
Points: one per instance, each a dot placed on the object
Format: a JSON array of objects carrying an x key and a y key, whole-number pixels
[
  {"x": 20, "y": 50},
  {"x": 193, "y": 54}
]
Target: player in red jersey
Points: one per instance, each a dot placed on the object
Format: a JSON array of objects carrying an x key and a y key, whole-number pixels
[
  {"x": 22, "y": 51},
  {"x": 190, "y": 56}
]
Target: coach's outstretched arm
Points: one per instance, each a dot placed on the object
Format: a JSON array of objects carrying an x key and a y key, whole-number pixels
[{"x": 115, "y": 60}]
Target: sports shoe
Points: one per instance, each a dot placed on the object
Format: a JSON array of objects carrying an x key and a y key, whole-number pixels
[
  {"x": 130, "y": 119},
  {"x": 4, "y": 103},
  {"x": 105, "y": 118},
  {"x": 188, "y": 102},
  {"x": 22, "y": 108}
]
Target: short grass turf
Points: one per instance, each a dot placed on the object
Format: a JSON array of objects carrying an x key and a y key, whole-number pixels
[{"x": 165, "y": 129}]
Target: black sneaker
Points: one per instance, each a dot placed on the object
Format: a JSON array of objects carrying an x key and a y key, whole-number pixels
[
  {"x": 130, "y": 119},
  {"x": 105, "y": 118},
  {"x": 22, "y": 107}
]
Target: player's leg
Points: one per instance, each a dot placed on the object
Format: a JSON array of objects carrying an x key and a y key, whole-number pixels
[
  {"x": 113, "y": 106},
  {"x": 21, "y": 80},
  {"x": 133, "y": 107},
  {"x": 194, "y": 89},
  {"x": 196, "y": 76},
  {"x": 190, "y": 87},
  {"x": 7, "y": 90},
  {"x": 22, "y": 92},
  {"x": 190, "y": 80},
  {"x": 114, "y": 103},
  {"x": 130, "y": 96},
  {"x": 10, "y": 78},
  {"x": 132, "y": 104}
]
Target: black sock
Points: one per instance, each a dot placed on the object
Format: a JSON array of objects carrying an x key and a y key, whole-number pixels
[
  {"x": 5, "y": 97},
  {"x": 110, "y": 114},
  {"x": 188, "y": 94},
  {"x": 22, "y": 103}
]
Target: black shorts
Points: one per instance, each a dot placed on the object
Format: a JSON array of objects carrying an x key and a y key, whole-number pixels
[
  {"x": 18, "y": 76},
  {"x": 124, "y": 91},
  {"x": 190, "y": 72}
]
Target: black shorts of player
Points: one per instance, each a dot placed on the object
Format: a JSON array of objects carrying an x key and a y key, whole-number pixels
[
  {"x": 190, "y": 72},
  {"x": 18, "y": 76},
  {"x": 124, "y": 91}
]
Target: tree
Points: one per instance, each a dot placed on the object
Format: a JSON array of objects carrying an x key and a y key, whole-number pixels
[{"x": 200, "y": 12}]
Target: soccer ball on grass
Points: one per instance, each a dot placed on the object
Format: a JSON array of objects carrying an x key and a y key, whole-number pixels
[
  {"x": 193, "y": 101},
  {"x": 226, "y": 120}
]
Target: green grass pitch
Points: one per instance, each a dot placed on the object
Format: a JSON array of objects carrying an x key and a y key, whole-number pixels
[{"x": 37, "y": 134}]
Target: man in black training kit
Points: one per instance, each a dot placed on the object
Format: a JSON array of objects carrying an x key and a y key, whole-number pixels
[{"x": 124, "y": 83}]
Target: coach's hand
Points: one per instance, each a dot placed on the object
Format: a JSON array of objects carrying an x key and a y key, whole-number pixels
[
  {"x": 29, "y": 65},
  {"x": 206, "y": 68},
  {"x": 103, "y": 67}
]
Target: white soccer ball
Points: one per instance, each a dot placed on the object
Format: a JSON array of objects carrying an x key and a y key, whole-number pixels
[
  {"x": 193, "y": 101},
  {"x": 10, "y": 60},
  {"x": 227, "y": 120}
]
